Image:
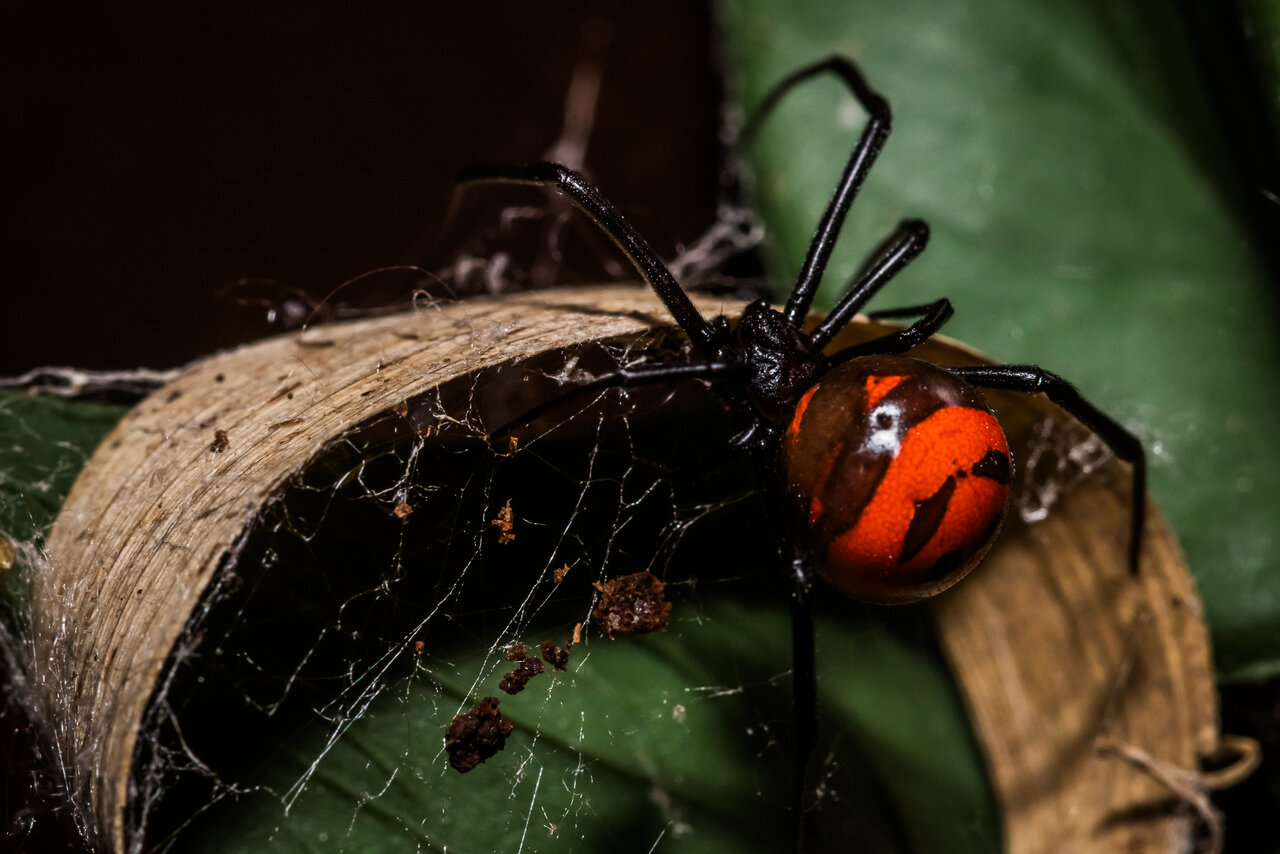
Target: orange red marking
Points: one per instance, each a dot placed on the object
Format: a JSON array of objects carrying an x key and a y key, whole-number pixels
[
  {"x": 824, "y": 473},
  {"x": 793, "y": 429},
  {"x": 878, "y": 387},
  {"x": 946, "y": 444}
]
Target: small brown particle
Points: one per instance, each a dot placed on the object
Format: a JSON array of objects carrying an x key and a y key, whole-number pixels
[
  {"x": 558, "y": 575},
  {"x": 516, "y": 652},
  {"x": 513, "y": 442},
  {"x": 514, "y": 682},
  {"x": 555, "y": 656},
  {"x": 418, "y": 647},
  {"x": 401, "y": 409},
  {"x": 7, "y": 555},
  {"x": 577, "y": 634},
  {"x": 285, "y": 391},
  {"x": 403, "y": 511},
  {"x": 220, "y": 442},
  {"x": 632, "y": 605},
  {"x": 477, "y": 735},
  {"x": 505, "y": 523}
]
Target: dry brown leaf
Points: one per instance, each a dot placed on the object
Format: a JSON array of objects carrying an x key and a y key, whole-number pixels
[{"x": 1057, "y": 650}]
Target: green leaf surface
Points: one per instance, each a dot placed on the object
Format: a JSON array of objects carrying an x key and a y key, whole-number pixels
[
  {"x": 1079, "y": 188},
  {"x": 44, "y": 442},
  {"x": 1262, "y": 27},
  {"x": 315, "y": 697},
  {"x": 676, "y": 741}
]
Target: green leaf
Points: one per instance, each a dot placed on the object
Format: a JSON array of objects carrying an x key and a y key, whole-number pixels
[
  {"x": 676, "y": 741},
  {"x": 1070, "y": 164},
  {"x": 313, "y": 698},
  {"x": 1260, "y": 29},
  {"x": 44, "y": 442}
]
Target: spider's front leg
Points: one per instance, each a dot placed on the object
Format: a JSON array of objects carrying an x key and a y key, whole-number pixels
[
  {"x": 855, "y": 171},
  {"x": 897, "y": 251},
  {"x": 706, "y": 339},
  {"x": 900, "y": 341},
  {"x": 1125, "y": 445}
]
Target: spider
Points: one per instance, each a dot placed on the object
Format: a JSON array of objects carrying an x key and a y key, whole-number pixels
[{"x": 887, "y": 475}]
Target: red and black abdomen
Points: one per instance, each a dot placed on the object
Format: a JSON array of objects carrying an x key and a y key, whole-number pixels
[{"x": 900, "y": 473}]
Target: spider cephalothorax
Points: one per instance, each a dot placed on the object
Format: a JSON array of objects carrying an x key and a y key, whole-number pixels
[{"x": 778, "y": 360}]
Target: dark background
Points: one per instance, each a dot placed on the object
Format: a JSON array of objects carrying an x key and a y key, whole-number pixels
[{"x": 154, "y": 156}]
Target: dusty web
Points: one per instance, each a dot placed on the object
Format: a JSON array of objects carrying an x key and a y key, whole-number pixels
[
  {"x": 1059, "y": 456},
  {"x": 382, "y": 592},
  {"x": 44, "y": 441}
]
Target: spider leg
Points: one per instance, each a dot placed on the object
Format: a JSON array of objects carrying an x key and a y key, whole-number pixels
[
  {"x": 804, "y": 685},
  {"x": 624, "y": 378},
  {"x": 907, "y": 241},
  {"x": 1125, "y": 445},
  {"x": 611, "y": 222},
  {"x": 646, "y": 374},
  {"x": 904, "y": 310},
  {"x": 804, "y": 691},
  {"x": 901, "y": 340},
  {"x": 855, "y": 170}
]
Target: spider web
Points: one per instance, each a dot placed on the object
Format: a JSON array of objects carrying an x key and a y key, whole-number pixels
[
  {"x": 378, "y": 594},
  {"x": 379, "y": 586},
  {"x": 375, "y": 598}
]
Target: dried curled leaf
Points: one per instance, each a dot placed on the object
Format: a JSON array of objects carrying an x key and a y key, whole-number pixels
[{"x": 1054, "y": 645}]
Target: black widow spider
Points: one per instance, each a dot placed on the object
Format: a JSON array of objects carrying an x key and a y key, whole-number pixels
[{"x": 888, "y": 474}]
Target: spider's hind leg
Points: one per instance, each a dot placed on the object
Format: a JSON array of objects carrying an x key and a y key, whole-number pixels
[{"x": 1125, "y": 445}]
